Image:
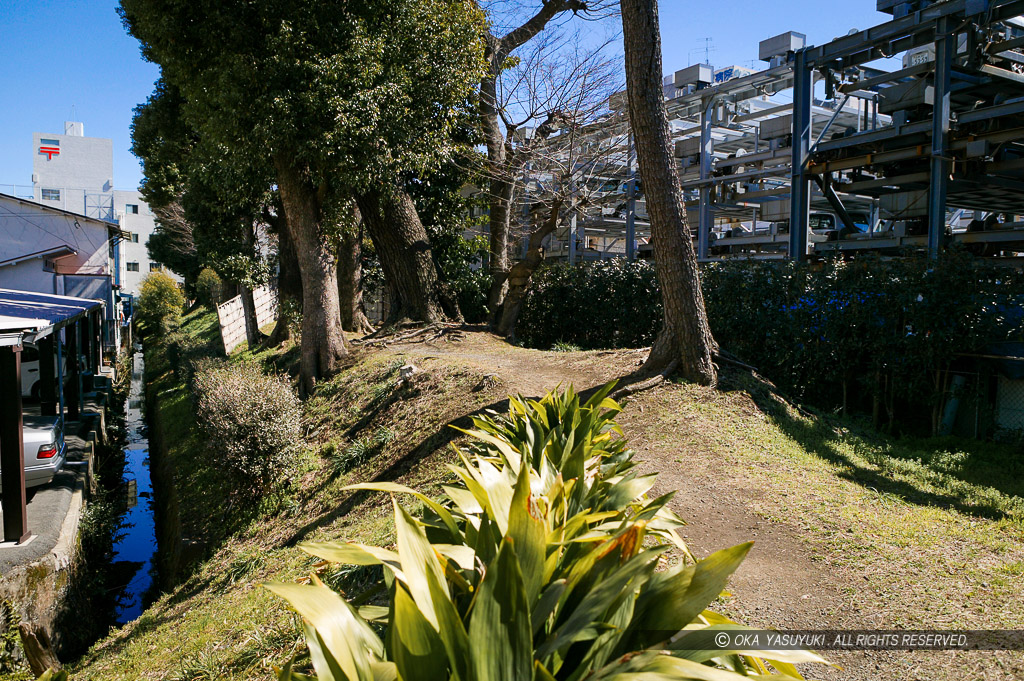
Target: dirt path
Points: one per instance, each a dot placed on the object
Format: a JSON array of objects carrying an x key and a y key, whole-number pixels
[{"x": 780, "y": 585}]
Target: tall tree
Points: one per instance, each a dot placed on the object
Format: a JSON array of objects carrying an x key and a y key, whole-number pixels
[
  {"x": 350, "y": 276},
  {"x": 403, "y": 246},
  {"x": 684, "y": 342},
  {"x": 344, "y": 99},
  {"x": 173, "y": 243},
  {"x": 207, "y": 204},
  {"x": 570, "y": 161},
  {"x": 522, "y": 23}
]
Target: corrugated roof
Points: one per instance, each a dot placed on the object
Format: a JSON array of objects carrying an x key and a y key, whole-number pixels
[{"x": 33, "y": 312}]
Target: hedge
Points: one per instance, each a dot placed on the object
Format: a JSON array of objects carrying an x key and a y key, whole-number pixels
[{"x": 873, "y": 328}]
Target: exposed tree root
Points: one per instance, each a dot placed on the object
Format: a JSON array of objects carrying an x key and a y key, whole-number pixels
[
  {"x": 431, "y": 332},
  {"x": 721, "y": 355},
  {"x": 653, "y": 381}
]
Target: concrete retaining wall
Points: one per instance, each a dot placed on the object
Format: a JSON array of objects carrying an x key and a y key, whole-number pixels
[{"x": 232, "y": 316}]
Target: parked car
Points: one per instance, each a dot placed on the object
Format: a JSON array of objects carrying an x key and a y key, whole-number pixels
[
  {"x": 30, "y": 370},
  {"x": 44, "y": 450}
]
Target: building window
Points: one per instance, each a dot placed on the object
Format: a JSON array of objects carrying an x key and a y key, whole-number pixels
[
  {"x": 132, "y": 266},
  {"x": 135, "y": 237},
  {"x": 51, "y": 195},
  {"x": 132, "y": 208},
  {"x": 155, "y": 267}
]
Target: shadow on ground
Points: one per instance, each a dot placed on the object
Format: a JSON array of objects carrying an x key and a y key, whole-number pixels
[{"x": 981, "y": 478}]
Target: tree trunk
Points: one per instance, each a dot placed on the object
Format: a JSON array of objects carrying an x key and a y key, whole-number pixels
[
  {"x": 500, "y": 210},
  {"x": 323, "y": 341},
  {"x": 685, "y": 336},
  {"x": 502, "y": 179},
  {"x": 252, "y": 325},
  {"x": 289, "y": 284},
  {"x": 403, "y": 247},
  {"x": 350, "y": 280},
  {"x": 500, "y": 195},
  {"x": 521, "y": 273}
]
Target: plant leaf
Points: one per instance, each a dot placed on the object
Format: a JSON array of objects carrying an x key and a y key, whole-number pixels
[
  {"x": 347, "y": 638},
  {"x": 418, "y": 559},
  {"x": 415, "y": 646},
  {"x": 499, "y": 628}
]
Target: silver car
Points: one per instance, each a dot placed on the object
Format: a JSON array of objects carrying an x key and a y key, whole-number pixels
[{"x": 45, "y": 451}]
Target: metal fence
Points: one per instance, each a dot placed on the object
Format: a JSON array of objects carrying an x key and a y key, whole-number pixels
[{"x": 983, "y": 404}]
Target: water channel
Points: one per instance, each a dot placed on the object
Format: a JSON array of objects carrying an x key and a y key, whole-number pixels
[{"x": 135, "y": 551}]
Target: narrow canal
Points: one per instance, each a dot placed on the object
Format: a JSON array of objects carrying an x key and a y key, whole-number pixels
[{"x": 135, "y": 551}]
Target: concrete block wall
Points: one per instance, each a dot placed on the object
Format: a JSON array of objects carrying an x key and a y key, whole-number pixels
[{"x": 232, "y": 316}]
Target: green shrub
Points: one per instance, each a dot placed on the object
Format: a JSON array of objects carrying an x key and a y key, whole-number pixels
[
  {"x": 830, "y": 333},
  {"x": 544, "y": 565},
  {"x": 607, "y": 304},
  {"x": 252, "y": 424},
  {"x": 208, "y": 288},
  {"x": 159, "y": 297}
]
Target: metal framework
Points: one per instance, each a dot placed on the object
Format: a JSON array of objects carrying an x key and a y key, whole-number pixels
[{"x": 861, "y": 159}]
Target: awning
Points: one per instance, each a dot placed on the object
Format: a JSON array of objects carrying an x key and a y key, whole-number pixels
[{"x": 39, "y": 314}]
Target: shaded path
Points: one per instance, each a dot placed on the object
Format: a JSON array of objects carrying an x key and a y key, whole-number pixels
[{"x": 780, "y": 585}]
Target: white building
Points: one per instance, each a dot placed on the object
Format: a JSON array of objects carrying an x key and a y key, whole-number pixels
[
  {"x": 46, "y": 249},
  {"x": 76, "y": 173}
]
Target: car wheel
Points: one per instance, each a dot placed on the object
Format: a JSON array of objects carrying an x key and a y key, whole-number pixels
[{"x": 35, "y": 391}]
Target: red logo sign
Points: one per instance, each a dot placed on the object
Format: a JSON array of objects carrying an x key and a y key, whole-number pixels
[{"x": 49, "y": 151}]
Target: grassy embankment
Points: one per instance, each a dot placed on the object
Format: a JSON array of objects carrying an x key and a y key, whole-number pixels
[
  {"x": 933, "y": 529},
  {"x": 911, "y": 534},
  {"x": 219, "y": 623}
]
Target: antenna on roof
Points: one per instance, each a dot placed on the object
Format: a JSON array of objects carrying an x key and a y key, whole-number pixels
[{"x": 707, "y": 49}]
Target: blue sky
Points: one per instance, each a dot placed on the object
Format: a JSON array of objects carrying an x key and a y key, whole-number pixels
[{"x": 60, "y": 56}]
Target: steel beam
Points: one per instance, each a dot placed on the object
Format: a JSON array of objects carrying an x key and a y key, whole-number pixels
[
  {"x": 74, "y": 371},
  {"x": 12, "y": 482},
  {"x": 631, "y": 200},
  {"x": 800, "y": 189},
  {"x": 705, "y": 213},
  {"x": 940, "y": 166},
  {"x": 825, "y": 184}
]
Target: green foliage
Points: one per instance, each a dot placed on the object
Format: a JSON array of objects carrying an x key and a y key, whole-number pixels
[
  {"x": 607, "y": 304},
  {"x": 51, "y": 675},
  {"x": 208, "y": 288},
  {"x": 565, "y": 347},
  {"x": 13, "y": 665},
  {"x": 359, "y": 451},
  {"x": 881, "y": 329},
  {"x": 159, "y": 297},
  {"x": 252, "y": 425},
  {"x": 447, "y": 213},
  {"x": 460, "y": 263},
  {"x": 890, "y": 328},
  {"x": 543, "y": 565},
  {"x": 356, "y": 92}
]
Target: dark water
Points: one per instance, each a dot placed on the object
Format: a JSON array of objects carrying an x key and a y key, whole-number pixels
[{"x": 135, "y": 551}]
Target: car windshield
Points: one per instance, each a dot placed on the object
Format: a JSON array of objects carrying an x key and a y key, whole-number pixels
[{"x": 29, "y": 353}]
